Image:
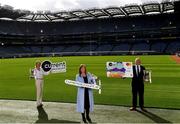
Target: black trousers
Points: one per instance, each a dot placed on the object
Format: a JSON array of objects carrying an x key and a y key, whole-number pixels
[
  {"x": 85, "y": 112},
  {"x": 86, "y": 103},
  {"x": 138, "y": 90}
]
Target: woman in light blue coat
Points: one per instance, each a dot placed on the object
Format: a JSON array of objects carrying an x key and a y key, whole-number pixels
[{"x": 85, "y": 101}]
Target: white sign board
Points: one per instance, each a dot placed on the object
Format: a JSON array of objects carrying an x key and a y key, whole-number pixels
[{"x": 58, "y": 67}]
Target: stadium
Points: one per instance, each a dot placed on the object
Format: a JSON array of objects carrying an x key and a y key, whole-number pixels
[{"x": 150, "y": 31}]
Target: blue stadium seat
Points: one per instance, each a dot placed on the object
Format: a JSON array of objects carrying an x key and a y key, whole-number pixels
[
  {"x": 72, "y": 48},
  {"x": 141, "y": 47},
  {"x": 173, "y": 47},
  {"x": 47, "y": 49},
  {"x": 158, "y": 46},
  {"x": 58, "y": 48},
  {"x": 87, "y": 48},
  {"x": 107, "y": 47},
  {"x": 36, "y": 49},
  {"x": 121, "y": 47}
]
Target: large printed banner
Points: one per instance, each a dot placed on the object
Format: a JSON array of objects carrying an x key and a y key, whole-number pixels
[
  {"x": 48, "y": 66},
  {"x": 58, "y": 67},
  {"x": 119, "y": 69}
]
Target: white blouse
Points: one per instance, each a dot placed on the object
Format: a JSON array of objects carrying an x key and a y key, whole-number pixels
[{"x": 39, "y": 74}]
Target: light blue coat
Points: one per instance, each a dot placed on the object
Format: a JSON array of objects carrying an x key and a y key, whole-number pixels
[{"x": 80, "y": 93}]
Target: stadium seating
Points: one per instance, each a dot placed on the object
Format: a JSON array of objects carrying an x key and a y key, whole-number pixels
[
  {"x": 89, "y": 47},
  {"x": 141, "y": 47},
  {"x": 158, "y": 46},
  {"x": 138, "y": 23},
  {"x": 128, "y": 34},
  {"x": 47, "y": 49},
  {"x": 107, "y": 47},
  {"x": 58, "y": 48},
  {"x": 36, "y": 49},
  {"x": 173, "y": 47},
  {"x": 121, "y": 47},
  {"x": 72, "y": 48}
]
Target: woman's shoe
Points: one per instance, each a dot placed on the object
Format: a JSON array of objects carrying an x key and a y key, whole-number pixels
[
  {"x": 88, "y": 119},
  {"x": 84, "y": 120}
]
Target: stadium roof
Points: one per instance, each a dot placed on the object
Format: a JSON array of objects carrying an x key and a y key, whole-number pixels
[{"x": 8, "y": 13}]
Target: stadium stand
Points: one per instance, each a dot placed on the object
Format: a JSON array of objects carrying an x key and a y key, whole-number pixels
[
  {"x": 122, "y": 47},
  {"x": 151, "y": 28},
  {"x": 89, "y": 47},
  {"x": 141, "y": 47},
  {"x": 173, "y": 47},
  {"x": 158, "y": 46},
  {"x": 107, "y": 47}
]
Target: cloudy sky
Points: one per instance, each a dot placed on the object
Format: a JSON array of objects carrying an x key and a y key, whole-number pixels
[{"x": 57, "y": 5}]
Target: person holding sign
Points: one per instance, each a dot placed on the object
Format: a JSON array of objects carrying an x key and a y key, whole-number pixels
[
  {"x": 138, "y": 85},
  {"x": 85, "y": 100},
  {"x": 39, "y": 81}
]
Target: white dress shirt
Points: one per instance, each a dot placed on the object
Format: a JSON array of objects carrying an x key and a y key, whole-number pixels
[{"x": 138, "y": 69}]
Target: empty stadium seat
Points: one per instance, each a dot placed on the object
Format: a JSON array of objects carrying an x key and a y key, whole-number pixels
[
  {"x": 173, "y": 47},
  {"x": 121, "y": 47},
  {"x": 107, "y": 47},
  {"x": 158, "y": 46},
  {"x": 47, "y": 49},
  {"x": 58, "y": 48},
  {"x": 141, "y": 47},
  {"x": 36, "y": 49},
  {"x": 87, "y": 48},
  {"x": 72, "y": 48}
]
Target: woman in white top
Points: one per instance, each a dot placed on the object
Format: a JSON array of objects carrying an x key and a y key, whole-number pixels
[{"x": 39, "y": 81}]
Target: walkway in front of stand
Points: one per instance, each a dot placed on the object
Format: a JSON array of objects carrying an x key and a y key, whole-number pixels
[{"x": 18, "y": 111}]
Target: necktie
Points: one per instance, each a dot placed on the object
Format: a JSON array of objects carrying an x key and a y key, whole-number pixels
[{"x": 137, "y": 70}]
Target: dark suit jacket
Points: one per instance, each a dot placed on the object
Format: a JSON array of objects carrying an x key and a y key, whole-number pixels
[{"x": 138, "y": 80}]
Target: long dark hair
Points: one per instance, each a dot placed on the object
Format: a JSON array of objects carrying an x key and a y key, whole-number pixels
[{"x": 82, "y": 65}]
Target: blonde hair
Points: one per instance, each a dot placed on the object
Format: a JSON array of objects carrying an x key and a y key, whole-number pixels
[
  {"x": 137, "y": 59},
  {"x": 37, "y": 62}
]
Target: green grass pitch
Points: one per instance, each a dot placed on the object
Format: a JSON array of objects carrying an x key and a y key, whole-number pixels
[{"x": 164, "y": 92}]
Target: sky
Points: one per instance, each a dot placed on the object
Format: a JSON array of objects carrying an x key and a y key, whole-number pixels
[{"x": 67, "y": 5}]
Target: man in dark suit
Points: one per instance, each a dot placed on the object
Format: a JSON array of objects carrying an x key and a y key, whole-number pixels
[{"x": 138, "y": 85}]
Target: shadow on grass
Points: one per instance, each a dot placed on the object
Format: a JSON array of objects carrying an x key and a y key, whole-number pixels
[
  {"x": 43, "y": 118},
  {"x": 153, "y": 117}
]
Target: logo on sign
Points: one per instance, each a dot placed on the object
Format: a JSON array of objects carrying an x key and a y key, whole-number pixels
[
  {"x": 58, "y": 67},
  {"x": 46, "y": 66}
]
